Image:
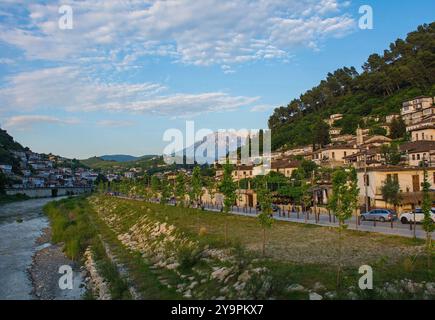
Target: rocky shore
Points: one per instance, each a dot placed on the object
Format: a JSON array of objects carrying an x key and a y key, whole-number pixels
[{"x": 44, "y": 271}]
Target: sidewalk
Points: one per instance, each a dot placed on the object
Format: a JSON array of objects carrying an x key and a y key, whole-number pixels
[{"x": 368, "y": 226}]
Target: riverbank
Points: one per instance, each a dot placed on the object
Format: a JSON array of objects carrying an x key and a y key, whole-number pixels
[
  {"x": 44, "y": 271},
  {"x": 25, "y": 250}
]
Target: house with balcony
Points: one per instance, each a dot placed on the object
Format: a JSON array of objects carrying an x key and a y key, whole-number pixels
[
  {"x": 419, "y": 152},
  {"x": 424, "y": 130},
  {"x": 414, "y": 111},
  {"x": 410, "y": 180}
]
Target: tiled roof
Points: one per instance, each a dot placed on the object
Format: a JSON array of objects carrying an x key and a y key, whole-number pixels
[{"x": 418, "y": 146}]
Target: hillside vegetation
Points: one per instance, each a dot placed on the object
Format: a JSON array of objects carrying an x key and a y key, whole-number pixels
[
  {"x": 145, "y": 162},
  {"x": 8, "y": 144},
  {"x": 404, "y": 71}
]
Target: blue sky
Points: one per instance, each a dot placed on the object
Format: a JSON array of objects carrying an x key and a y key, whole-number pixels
[{"x": 130, "y": 69}]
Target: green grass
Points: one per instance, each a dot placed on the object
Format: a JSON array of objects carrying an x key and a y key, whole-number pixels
[
  {"x": 75, "y": 224},
  {"x": 295, "y": 253}
]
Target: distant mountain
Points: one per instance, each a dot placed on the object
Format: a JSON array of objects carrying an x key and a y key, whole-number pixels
[
  {"x": 118, "y": 157},
  {"x": 124, "y": 157},
  {"x": 221, "y": 143},
  {"x": 122, "y": 162}
]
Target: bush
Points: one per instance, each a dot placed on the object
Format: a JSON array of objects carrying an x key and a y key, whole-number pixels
[{"x": 188, "y": 257}]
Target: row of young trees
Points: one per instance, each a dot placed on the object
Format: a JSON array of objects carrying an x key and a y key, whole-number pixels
[{"x": 343, "y": 202}]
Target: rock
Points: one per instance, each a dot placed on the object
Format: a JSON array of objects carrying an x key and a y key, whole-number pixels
[
  {"x": 244, "y": 277},
  {"x": 319, "y": 287},
  {"x": 330, "y": 295},
  {"x": 220, "y": 274},
  {"x": 193, "y": 284},
  {"x": 172, "y": 266},
  {"x": 188, "y": 294},
  {"x": 295, "y": 288},
  {"x": 315, "y": 296}
]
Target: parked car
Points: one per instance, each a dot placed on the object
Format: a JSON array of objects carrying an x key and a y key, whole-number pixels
[
  {"x": 381, "y": 215},
  {"x": 408, "y": 217},
  {"x": 275, "y": 208}
]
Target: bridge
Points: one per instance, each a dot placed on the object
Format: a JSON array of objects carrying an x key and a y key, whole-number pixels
[{"x": 45, "y": 192}]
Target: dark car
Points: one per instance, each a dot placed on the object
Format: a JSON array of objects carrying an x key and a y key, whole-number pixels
[
  {"x": 275, "y": 208},
  {"x": 381, "y": 215}
]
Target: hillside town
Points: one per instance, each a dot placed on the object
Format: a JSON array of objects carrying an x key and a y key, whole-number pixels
[
  {"x": 378, "y": 158},
  {"x": 34, "y": 170}
]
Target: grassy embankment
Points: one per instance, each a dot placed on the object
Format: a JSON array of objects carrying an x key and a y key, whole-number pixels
[
  {"x": 75, "y": 224},
  {"x": 149, "y": 238}
]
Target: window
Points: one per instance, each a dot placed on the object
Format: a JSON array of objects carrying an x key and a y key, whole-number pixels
[
  {"x": 413, "y": 157},
  {"x": 422, "y": 136},
  {"x": 418, "y": 156},
  {"x": 345, "y": 153},
  {"x": 367, "y": 180},
  {"x": 333, "y": 155}
]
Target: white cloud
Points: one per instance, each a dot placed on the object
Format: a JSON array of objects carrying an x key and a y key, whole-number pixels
[
  {"x": 115, "y": 123},
  {"x": 262, "y": 108},
  {"x": 68, "y": 88},
  {"x": 202, "y": 32},
  {"x": 27, "y": 121}
]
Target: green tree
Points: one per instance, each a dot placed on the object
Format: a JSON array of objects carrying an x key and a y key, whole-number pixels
[
  {"x": 428, "y": 223},
  {"x": 196, "y": 190},
  {"x": 228, "y": 189},
  {"x": 211, "y": 186},
  {"x": 391, "y": 154},
  {"x": 155, "y": 185},
  {"x": 166, "y": 189},
  {"x": 180, "y": 188},
  {"x": 321, "y": 134},
  {"x": 397, "y": 128},
  {"x": 343, "y": 202},
  {"x": 390, "y": 191},
  {"x": 265, "y": 217}
]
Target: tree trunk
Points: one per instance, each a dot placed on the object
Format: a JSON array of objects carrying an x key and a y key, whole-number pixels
[
  {"x": 226, "y": 231},
  {"x": 339, "y": 257},
  {"x": 429, "y": 250},
  {"x": 264, "y": 242}
]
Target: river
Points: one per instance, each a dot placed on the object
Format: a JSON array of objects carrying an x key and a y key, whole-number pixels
[{"x": 21, "y": 223}]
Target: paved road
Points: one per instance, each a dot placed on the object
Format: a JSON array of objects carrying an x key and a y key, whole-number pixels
[{"x": 397, "y": 228}]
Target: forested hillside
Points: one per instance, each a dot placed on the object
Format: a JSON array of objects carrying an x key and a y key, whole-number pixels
[
  {"x": 404, "y": 71},
  {"x": 7, "y": 144}
]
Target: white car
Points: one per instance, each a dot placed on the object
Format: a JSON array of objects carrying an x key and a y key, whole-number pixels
[{"x": 419, "y": 216}]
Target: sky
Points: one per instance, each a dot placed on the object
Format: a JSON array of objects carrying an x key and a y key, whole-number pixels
[{"x": 125, "y": 71}]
